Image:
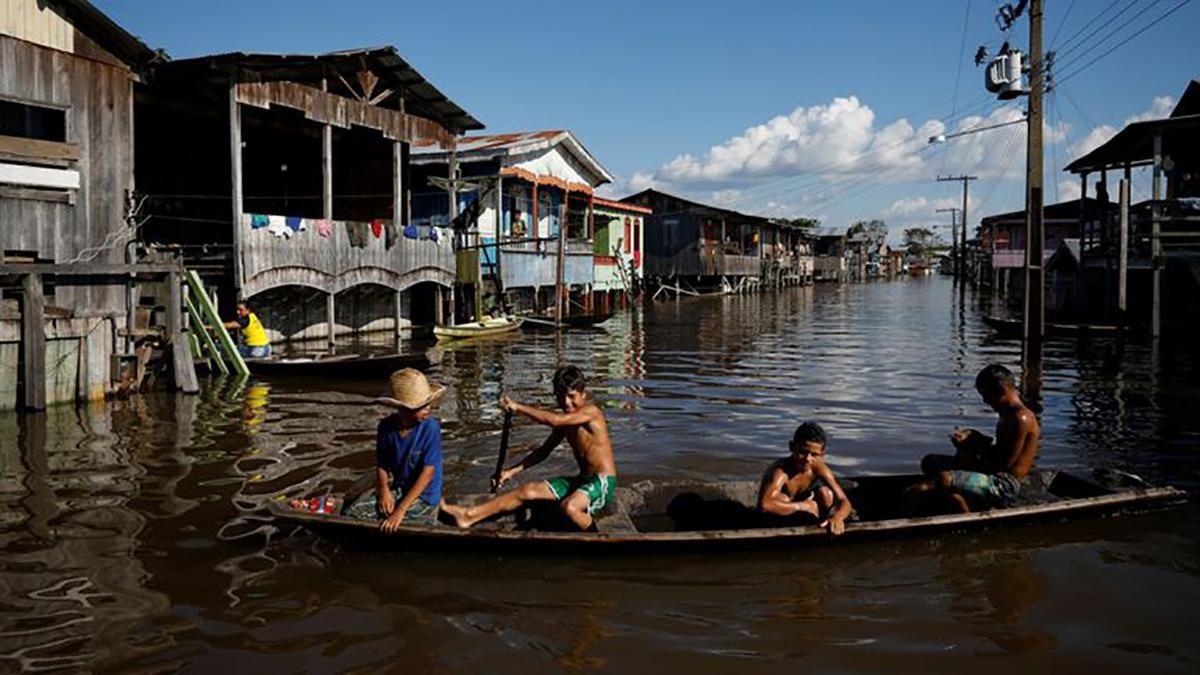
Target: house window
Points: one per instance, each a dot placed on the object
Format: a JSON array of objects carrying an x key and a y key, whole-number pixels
[
  {"x": 628, "y": 235},
  {"x": 32, "y": 121}
]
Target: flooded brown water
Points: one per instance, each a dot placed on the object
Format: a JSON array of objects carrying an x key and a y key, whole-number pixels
[{"x": 134, "y": 536}]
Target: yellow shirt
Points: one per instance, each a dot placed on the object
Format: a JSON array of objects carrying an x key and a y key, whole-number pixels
[{"x": 253, "y": 333}]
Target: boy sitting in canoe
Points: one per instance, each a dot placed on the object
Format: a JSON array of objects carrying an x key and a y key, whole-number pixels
[
  {"x": 983, "y": 473},
  {"x": 803, "y": 483},
  {"x": 581, "y": 423},
  {"x": 408, "y": 460}
]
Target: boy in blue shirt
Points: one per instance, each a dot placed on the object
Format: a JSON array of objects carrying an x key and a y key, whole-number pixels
[{"x": 408, "y": 460}]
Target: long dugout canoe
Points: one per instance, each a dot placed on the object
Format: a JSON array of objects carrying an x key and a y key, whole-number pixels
[{"x": 678, "y": 515}]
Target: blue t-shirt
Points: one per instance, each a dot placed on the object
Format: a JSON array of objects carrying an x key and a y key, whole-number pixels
[{"x": 404, "y": 457}]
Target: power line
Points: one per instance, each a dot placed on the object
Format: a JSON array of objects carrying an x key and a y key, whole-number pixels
[
  {"x": 1062, "y": 23},
  {"x": 962, "y": 48},
  {"x": 1068, "y": 50},
  {"x": 1094, "y": 19},
  {"x": 1120, "y": 44}
]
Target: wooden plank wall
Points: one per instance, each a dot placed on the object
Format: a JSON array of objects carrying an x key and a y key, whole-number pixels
[
  {"x": 520, "y": 268},
  {"x": 340, "y": 111},
  {"x": 31, "y": 21},
  {"x": 98, "y": 98},
  {"x": 332, "y": 265}
]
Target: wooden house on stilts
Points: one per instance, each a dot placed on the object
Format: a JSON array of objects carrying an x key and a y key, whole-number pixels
[
  {"x": 285, "y": 180},
  {"x": 517, "y": 198},
  {"x": 67, "y": 77}
]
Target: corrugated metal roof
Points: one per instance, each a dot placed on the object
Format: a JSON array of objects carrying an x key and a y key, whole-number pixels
[
  {"x": 420, "y": 97},
  {"x": 491, "y": 146},
  {"x": 106, "y": 32},
  {"x": 1135, "y": 143},
  {"x": 649, "y": 193}
]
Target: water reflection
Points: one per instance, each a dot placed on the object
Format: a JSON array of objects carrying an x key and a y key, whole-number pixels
[{"x": 135, "y": 534}]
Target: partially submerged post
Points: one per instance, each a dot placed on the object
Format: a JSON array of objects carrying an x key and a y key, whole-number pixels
[
  {"x": 33, "y": 342},
  {"x": 1123, "y": 255}
]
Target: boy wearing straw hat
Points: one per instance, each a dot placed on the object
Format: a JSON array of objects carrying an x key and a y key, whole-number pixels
[
  {"x": 408, "y": 459},
  {"x": 581, "y": 423}
]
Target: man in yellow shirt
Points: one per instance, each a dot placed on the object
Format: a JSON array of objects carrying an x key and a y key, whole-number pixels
[{"x": 255, "y": 344}]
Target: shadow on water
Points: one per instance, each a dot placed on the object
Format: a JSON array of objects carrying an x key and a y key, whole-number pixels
[{"x": 135, "y": 536}]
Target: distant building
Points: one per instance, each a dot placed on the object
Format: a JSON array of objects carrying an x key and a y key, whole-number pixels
[
  {"x": 832, "y": 255},
  {"x": 689, "y": 244},
  {"x": 1003, "y": 237},
  {"x": 619, "y": 231},
  {"x": 523, "y": 188}
]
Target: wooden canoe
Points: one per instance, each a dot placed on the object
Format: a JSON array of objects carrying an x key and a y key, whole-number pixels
[
  {"x": 571, "y": 321},
  {"x": 377, "y": 366},
  {"x": 487, "y": 327},
  {"x": 678, "y": 515},
  {"x": 1015, "y": 327}
]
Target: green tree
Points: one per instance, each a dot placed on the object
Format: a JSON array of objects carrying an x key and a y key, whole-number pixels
[
  {"x": 876, "y": 232},
  {"x": 918, "y": 241}
]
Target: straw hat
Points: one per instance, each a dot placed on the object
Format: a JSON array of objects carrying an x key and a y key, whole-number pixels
[{"x": 410, "y": 391}]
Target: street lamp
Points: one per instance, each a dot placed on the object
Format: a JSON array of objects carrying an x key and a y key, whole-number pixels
[{"x": 942, "y": 138}]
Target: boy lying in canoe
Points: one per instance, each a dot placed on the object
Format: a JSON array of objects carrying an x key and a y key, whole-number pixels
[
  {"x": 581, "y": 423},
  {"x": 983, "y": 473},
  {"x": 408, "y": 460},
  {"x": 802, "y": 483}
]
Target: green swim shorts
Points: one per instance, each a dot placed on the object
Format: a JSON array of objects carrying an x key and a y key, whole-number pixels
[{"x": 599, "y": 489}]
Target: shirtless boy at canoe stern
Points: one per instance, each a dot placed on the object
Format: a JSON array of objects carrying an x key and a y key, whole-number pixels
[
  {"x": 581, "y": 423},
  {"x": 803, "y": 483},
  {"x": 983, "y": 473}
]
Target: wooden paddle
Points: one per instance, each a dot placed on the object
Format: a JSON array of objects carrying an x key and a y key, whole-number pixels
[{"x": 503, "y": 456}]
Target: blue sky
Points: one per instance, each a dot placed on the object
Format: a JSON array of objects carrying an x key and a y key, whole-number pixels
[{"x": 782, "y": 108}]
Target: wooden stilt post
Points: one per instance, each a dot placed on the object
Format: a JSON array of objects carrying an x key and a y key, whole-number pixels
[
  {"x": 1123, "y": 254},
  {"x": 327, "y": 172},
  {"x": 330, "y": 320},
  {"x": 1156, "y": 255},
  {"x": 558, "y": 275},
  {"x": 33, "y": 342},
  {"x": 235, "y": 175},
  {"x": 399, "y": 312},
  {"x": 181, "y": 353},
  {"x": 439, "y": 310}
]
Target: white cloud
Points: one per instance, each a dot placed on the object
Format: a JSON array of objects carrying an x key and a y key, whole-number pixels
[
  {"x": 1068, "y": 189},
  {"x": 816, "y": 154},
  {"x": 923, "y": 208},
  {"x": 1161, "y": 108},
  {"x": 723, "y": 197},
  {"x": 1099, "y": 135}
]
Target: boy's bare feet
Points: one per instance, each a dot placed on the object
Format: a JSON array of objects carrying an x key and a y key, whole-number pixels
[
  {"x": 460, "y": 514},
  {"x": 809, "y": 505}
]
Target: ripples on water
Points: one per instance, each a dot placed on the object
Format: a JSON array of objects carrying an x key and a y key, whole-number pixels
[{"x": 134, "y": 535}]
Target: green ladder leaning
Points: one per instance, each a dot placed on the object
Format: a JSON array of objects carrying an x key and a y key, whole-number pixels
[{"x": 204, "y": 315}]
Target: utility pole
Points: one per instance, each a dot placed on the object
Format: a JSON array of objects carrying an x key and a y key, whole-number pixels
[
  {"x": 1004, "y": 77},
  {"x": 959, "y": 249},
  {"x": 1035, "y": 228},
  {"x": 953, "y": 211}
]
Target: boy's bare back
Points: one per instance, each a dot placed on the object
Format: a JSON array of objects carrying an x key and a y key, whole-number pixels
[{"x": 1018, "y": 435}]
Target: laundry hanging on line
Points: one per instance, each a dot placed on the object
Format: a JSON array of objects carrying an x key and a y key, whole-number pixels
[{"x": 277, "y": 226}]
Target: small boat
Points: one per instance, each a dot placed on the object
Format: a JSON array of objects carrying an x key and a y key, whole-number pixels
[
  {"x": 681, "y": 515},
  {"x": 340, "y": 365},
  {"x": 1015, "y": 327},
  {"x": 494, "y": 326},
  {"x": 570, "y": 321}
]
